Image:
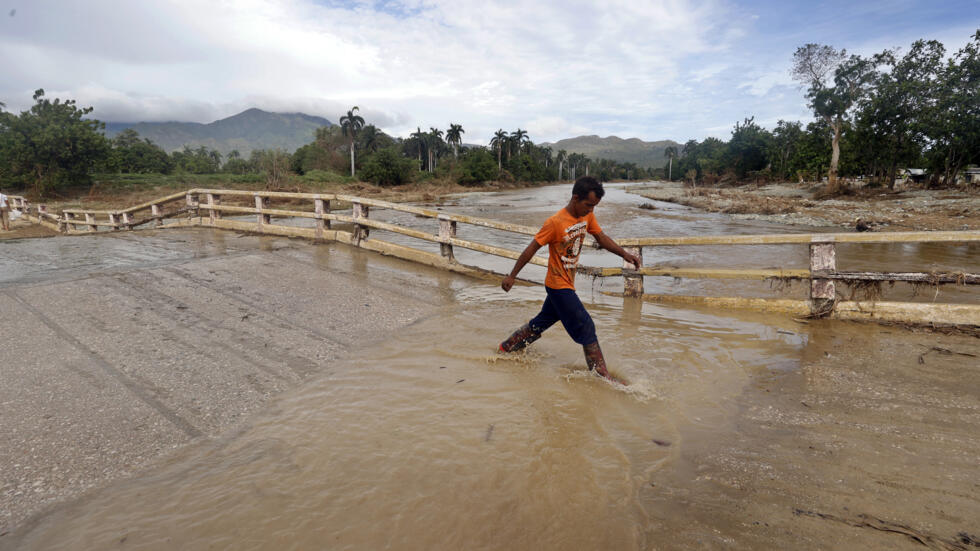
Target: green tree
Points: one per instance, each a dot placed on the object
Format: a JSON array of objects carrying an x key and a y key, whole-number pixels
[
  {"x": 350, "y": 125},
  {"x": 130, "y": 154},
  {"x": 499, "y": 140},
  {"x": 835, "y": 83},
  {"x": 477, "y": 166},
  {"x": 52, "y": 146},
  {"x": 455, "y": 137},
  {"x": 519, "y": 139},
  {"x": 435, "y": 146},
  {"x": 953, "y": 124},
  {"x": 747, "y": 148},
  {"x": 387, "y": 167},
  {"x": 782, "y": 149}
]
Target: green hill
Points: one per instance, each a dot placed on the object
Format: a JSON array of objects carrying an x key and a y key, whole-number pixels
[
  {"x": 246, "y": 131},
  {"x": 633, "y": 150}
]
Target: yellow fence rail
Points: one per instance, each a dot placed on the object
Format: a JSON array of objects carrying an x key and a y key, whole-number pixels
[{"x": 208, "y": 207}]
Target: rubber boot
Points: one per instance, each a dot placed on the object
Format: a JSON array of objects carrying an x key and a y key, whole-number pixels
[
  {"x": 520, "y": 339},
  {"x": 594, "y": 359}
]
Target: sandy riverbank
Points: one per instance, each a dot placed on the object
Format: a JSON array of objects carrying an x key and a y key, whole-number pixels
[{"x": 798, "y": 204}]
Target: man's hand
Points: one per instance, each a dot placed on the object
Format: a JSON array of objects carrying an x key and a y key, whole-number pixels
[
  {"x": 507, "y": 283},
  {"x": 632, "y": 259}
]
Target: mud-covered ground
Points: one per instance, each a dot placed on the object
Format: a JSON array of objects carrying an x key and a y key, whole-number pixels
[{"x": 799, "y": 204}]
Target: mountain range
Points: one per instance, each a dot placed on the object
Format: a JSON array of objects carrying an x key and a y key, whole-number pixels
[
  {"x": 256, "y": 129},
  {"x": 249, "y": 130},
  {"x": 632, "y": 150}
]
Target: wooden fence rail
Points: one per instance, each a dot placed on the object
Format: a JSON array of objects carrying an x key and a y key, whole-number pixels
[{"x": 209, "y": 207}]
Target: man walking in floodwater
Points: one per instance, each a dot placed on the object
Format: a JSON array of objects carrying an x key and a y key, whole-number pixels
[{"x": 564, "y": 234}]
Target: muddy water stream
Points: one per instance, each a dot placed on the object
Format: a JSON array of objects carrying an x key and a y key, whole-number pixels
[{"x": 737, "y": 430}]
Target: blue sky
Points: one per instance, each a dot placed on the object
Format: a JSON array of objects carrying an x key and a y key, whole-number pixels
[{"x": 666, "y": 69}]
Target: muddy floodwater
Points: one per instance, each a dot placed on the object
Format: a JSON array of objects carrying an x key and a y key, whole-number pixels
[{"x": 737, "y": 430}]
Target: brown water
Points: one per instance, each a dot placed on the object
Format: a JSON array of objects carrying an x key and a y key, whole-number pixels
[{"x": 731, "y": 422}]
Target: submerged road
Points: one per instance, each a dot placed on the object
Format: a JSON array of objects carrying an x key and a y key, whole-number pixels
[
  {"x": 134, "y": 345},
  {"x": 193, "y": 389}
]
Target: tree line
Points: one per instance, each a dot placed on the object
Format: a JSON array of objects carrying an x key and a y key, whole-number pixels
[
  {"x": 53, "y": 145},
  {"x": 872, "y": 117}
]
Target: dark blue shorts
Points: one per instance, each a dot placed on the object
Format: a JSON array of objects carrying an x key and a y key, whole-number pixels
[{"x": 564, "y": 305}]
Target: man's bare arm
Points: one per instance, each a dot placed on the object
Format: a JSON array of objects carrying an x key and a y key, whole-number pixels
[
  {"x": 607, "y": 243},
  {"x": 519, "y": 265}
]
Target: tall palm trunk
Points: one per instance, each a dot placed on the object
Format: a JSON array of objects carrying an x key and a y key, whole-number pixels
[{"x": 352, "y": 157}]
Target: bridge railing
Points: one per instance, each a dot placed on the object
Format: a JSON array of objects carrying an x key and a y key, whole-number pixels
[{"x": 212, "y": 208}]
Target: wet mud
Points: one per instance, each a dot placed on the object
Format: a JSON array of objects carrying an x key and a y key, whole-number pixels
[{"x": 737, "y": 430}]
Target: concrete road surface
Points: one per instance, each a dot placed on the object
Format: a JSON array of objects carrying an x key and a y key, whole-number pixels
[{"x": 115, "y": 350}]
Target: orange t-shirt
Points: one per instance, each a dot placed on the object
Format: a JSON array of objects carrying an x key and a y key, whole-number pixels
[{"x": 564, "y": 234}]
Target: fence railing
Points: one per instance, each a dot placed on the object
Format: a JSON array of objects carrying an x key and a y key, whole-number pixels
[{"x": 209, "y": 207}]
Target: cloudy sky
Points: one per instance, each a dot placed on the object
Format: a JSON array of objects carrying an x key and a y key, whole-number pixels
[{"x": 652, "y": 69}]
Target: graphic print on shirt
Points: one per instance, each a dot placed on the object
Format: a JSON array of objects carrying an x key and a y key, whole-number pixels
[{"x": 571, "y": 244}]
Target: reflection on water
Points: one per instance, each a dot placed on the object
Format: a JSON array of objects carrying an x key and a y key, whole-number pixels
[{"x": 430, "y": 440}]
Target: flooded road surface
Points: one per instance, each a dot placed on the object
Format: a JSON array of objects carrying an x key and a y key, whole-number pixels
[{"x": 737, "y": 430}]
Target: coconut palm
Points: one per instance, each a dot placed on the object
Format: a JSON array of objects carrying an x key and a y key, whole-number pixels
[
  {"x": 670, "y": 152},
  {"x": 499, "y": 139},
  {"x": 455, "y": 137},
  {"x": 350, "y": 125}
]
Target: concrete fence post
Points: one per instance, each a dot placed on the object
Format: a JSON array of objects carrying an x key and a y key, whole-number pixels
[
  {"x": 633, "y": 282},
  {"x": 262, "y": 218},
  {"x": 90, "y": 221},
  {"x": 213, "y": 200},
  {"x": 156, "y": 214},
  {"x": 321, "y": 207},
  {"x": 41, "y": 211},
  {"x": 112, "y": 222},
  {"x": 823, "y": 257},
  {"x": 360, "y": 232},
  {"x": 447, "y": 231},
  {"x": 127, "y": 219}
]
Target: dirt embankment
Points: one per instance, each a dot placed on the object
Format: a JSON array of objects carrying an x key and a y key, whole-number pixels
[{"x": 800, "y": 204}]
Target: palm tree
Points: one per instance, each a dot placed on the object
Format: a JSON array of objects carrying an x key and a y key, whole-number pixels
[
  {"x": 435, "y": 137},
  {"x": 419, "y": 136},
  {"x": 351, "y": 124},
  {"x": 520, "y": 138},
  {"x": 561, "y": 158},
  {"x": 670, "y": 152},
  {"x": 455, "y": 137},
  {"x": 499, "y": 139}
]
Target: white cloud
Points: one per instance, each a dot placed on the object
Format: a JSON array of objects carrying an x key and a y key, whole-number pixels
[{"x": 651, "y": 69}]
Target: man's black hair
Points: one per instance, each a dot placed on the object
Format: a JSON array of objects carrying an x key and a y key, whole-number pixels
[{"x": 587, "y": 184}]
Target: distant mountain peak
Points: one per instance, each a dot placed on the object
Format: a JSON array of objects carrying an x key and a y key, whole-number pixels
[{"x": 630, "y": 150}]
